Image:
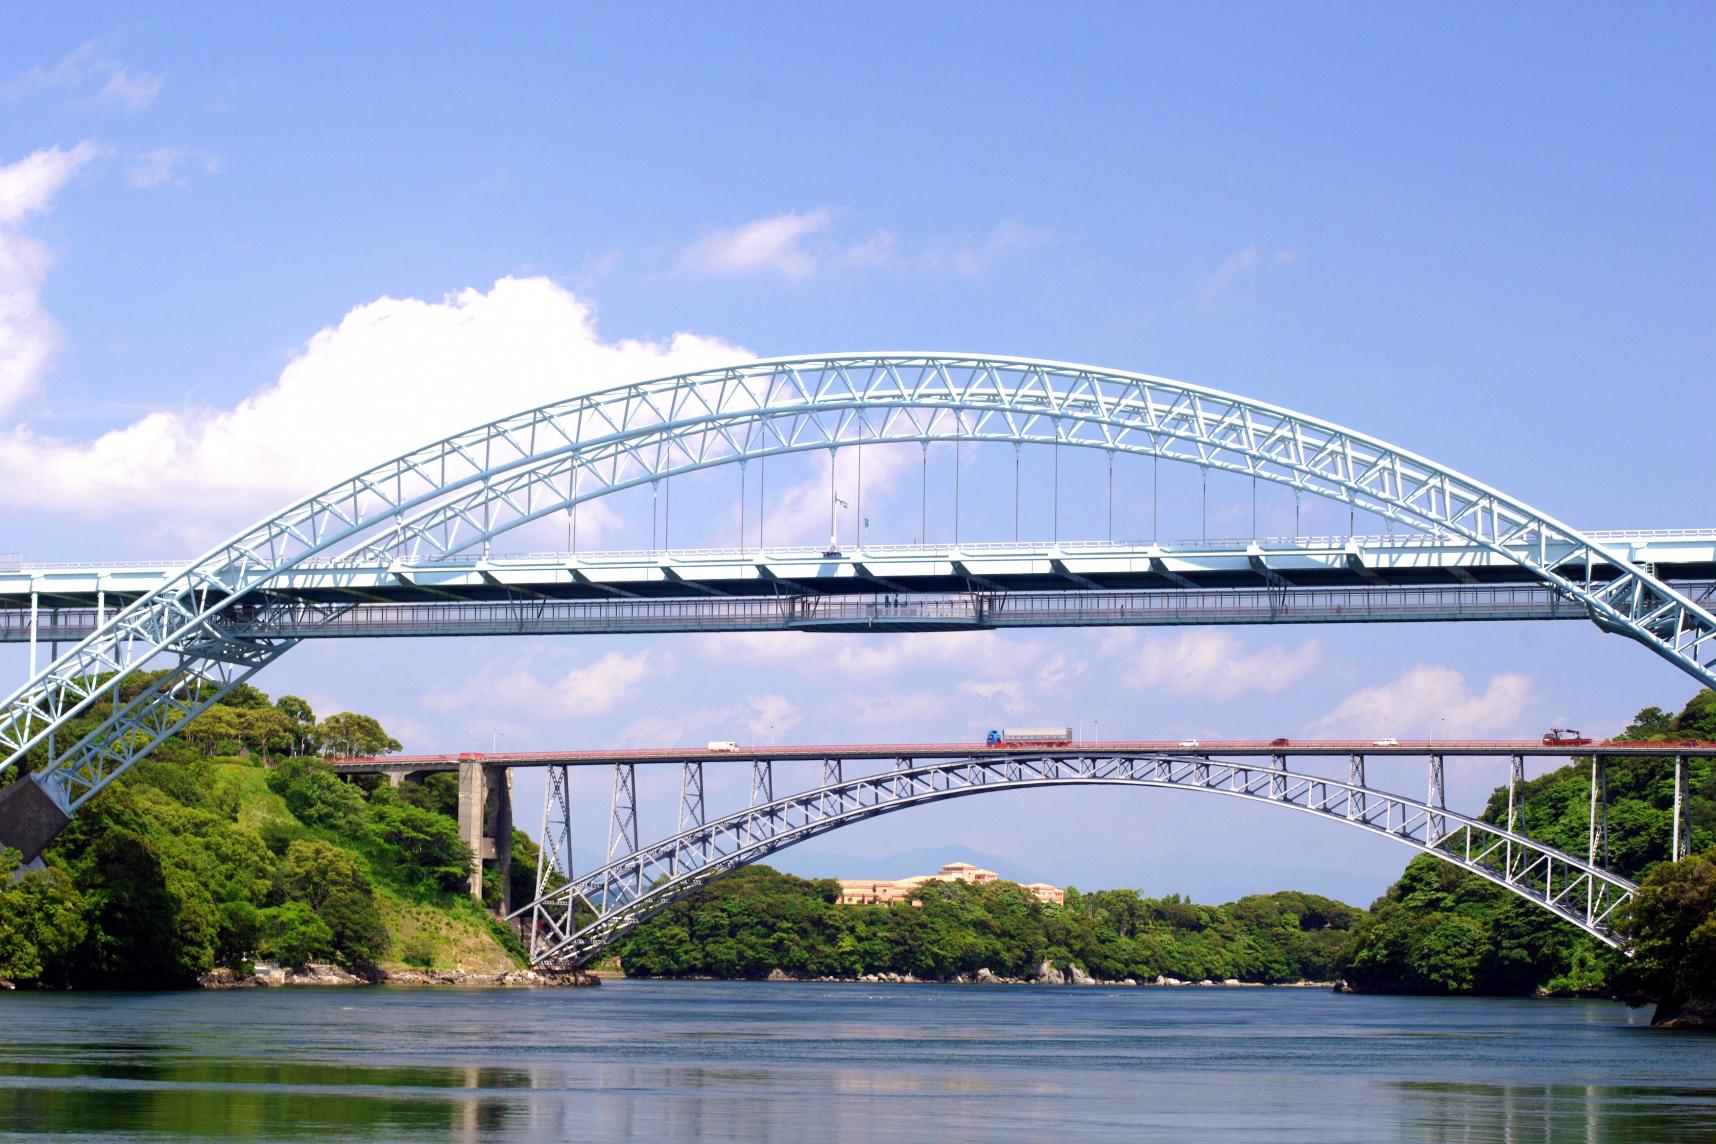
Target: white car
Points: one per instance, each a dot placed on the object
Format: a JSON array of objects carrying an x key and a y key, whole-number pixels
[
  {"x": 1188, "y": 742},
  {"x": 1386, "y": 743}
]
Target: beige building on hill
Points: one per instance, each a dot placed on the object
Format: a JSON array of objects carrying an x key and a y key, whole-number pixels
[{"x": 878, "y": 892}]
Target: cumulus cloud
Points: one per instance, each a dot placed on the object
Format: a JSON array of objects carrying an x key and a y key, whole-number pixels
[
  {"x": 28, "y": 333},
  {"x": 578, "y": 691},
  {"x": 1212, "y": 663},
  {"x": 393, "y": 374},
  {"x": 167, "y": 166},
  {"x": 88, "y": 69},
  {"x": 1432, "y": 701},
  {"x": 798, "y": 244},
  {"x": 29, "y": 186}
]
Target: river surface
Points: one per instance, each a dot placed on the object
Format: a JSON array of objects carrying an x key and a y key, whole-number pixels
[{"x": 789, "y": 1062}]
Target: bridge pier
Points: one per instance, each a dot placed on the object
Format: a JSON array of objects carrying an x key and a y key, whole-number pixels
[
  {"x": 485, "y": 824},
  {"x": 1598, "y": 848},
  {"x": 1680, "y": 844}
]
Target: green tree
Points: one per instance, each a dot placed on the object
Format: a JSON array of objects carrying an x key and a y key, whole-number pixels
[
  {"x": 423, "y": 847},
  {"x": 1697, "y": 720},
  {"x": 293, "y": 935},
  {"x": 348, "y": 734},
  {"x": 134, "y": 935},
  {"x": 314, "y": 794},
  {"x": 217, "y": 731},
  {"x": 303, "y": 720},
  {"x": 334, "y": 883},
  {"x": 41, "y": 922},
  {"x": 267, "y": 732},
  {"x": 1672, "y": 924}
]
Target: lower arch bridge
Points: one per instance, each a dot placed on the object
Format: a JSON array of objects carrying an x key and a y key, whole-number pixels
[{"x": 573, "y": 919}]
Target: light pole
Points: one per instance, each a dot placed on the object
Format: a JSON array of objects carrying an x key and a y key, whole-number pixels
[{"x": 834, "y": 522}]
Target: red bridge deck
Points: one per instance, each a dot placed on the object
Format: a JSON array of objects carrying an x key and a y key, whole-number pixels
[{"x": 974, "y": 750}]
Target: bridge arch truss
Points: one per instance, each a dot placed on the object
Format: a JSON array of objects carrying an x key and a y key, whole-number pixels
[
  {"x": 572, "y": 920},
  {"x": 459, "y": 494}
]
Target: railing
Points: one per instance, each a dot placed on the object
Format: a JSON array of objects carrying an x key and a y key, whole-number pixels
[
  {"x": 13, "y": 562},
  {"x": 869, "y": 611}
]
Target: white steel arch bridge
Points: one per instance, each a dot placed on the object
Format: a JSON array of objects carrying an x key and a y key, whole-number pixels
[
  {"x": 573, "y": 917},
  {"x": 451, "y": 499}
]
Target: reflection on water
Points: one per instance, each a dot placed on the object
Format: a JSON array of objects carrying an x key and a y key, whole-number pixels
[
  {"x": 783, "y": 1062},
  {"x": 1531, "y": 1112}
]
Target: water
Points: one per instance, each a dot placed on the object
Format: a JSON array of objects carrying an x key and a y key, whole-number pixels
[{"x": 758, "y": 1062}]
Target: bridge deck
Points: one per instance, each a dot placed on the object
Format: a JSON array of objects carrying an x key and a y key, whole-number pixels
[
  {"x": 802, "y": 752},
  {"x": 887, "y": 587}
]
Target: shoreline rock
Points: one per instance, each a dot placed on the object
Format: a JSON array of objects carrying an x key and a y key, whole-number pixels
[
  {"x": 1044, "y": 974},
  {"x": 1698, "y": 1014},
  {"x": 269, "y": 976}
]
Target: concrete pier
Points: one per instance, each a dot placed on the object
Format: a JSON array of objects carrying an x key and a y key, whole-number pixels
[{"x": 485, "y": 823}]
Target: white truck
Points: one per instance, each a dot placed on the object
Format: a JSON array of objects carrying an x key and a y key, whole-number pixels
[
  {"x": 724, "y": 745},
  {"x": 1031, "y": 737}
]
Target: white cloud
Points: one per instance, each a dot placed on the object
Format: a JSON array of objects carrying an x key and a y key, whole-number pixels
[
  {"x": 880, "y": 716},
  {"x": 678, "y": 724},
  {"x": 972, "y": 260},
  {"x": 1432, "y": 701},
  {"x": 868, "y": 656},
  {"x": 1214, "y": 664},
  {"x": 392, "y": 375},
  {"x": 88, "y": 68},
  {"x": 1009, "y": 693},
  {"x": 579, "y": 691},
  {"x": 774, "y": 245},
  {"x": 1238, "y": 270},
  {"x": 160, "y": 166},
  {"x": 28, "y": 186},
  {"x": 1057, "y": 669},
  {"x": 770, "y": 717},
  {"x": 798, "y": 513},
  {"x": 28, "y": 334},
  {"x": 799, "y": 244}
]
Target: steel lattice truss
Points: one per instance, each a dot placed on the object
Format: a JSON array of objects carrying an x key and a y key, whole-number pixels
[
  {"x": 458, "y": 494},
  {"x": 576, "y": 918}
]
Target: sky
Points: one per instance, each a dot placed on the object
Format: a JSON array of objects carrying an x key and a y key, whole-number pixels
[{"x": 247, "y": 251}]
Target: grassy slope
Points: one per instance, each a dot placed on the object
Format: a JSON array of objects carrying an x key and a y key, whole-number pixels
[{"x": 452, "y": 939}]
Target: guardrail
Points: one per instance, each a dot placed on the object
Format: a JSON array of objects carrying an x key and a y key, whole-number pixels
[{"x": 13, "y": 562}]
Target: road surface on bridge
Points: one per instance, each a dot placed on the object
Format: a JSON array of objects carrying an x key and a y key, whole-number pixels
[
  {"x": 1408, "y": 576},
  {"x": 1227, "y": 748}
]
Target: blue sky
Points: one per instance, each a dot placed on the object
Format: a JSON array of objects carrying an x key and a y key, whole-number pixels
[{"x": 246, "y": 251}]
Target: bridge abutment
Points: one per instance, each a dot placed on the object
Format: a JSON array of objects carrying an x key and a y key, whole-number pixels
[{"x": 30, "y": 817}]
